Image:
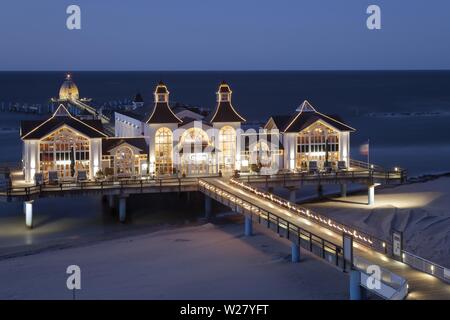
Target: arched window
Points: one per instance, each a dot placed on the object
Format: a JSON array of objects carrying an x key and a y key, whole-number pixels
[
  {"x": 124, "y": 161},
  {"x": 163, "y": 151},
  {"x": 227, "y": 147},
  {"x": 262, "y": 154},
  {"x": 317, "y": 143},
  {"x": 64, "y": 151}
]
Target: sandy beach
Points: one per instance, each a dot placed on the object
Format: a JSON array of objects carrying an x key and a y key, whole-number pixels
[
  {"x": 201, "y": 262},
  {"x": 420, "y": 210}
]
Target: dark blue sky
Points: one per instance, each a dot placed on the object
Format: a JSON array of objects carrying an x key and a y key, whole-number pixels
[{"x": 224, "y": 35}]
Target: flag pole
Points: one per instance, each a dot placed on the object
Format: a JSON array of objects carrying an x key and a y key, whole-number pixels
[{"x": 368, "y": 154}]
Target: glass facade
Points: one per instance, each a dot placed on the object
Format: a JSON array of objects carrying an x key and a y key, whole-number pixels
[
  {"x": 317, "y": 143},
  {"x": 64, "y": 151},
  {"x": 227, "y": 147},
  {"x": 163, "y": 151}
]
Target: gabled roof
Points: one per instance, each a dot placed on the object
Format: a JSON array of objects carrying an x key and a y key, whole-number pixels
[
  {"x": 113, "y": 142},
  {"x": 161, "y": 112},
  {"x": 307, "y": 115},
  {"x": 39, "y": 129},
  {"x": 280, "y": 121},
  {"x": 224, "y": 111}
]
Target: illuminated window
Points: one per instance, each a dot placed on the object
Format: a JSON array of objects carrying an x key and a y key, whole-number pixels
[
  {"x": 124, "y": 161},
  {"x": 227, "y": 147},
  {"x": 163, "y": 151},
  {"x": 317, "y": 143},
  {"x": 195, "y": 160},
  {"x": 64, "y": 151}
]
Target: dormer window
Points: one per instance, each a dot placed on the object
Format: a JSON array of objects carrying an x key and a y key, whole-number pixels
[
  {"x": 224, "y": 97},
  {"x": 161, "y": 98}
]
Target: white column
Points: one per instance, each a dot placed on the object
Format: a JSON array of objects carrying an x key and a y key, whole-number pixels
[
  {"x": 28, "y": 211},
  {"x": 371, "y": 195}
]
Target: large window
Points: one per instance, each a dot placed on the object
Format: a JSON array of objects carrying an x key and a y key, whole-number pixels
[
  {"x": 124, "y": 161},
  {"x": 197, "y": 156},
  {"x": 317, "y": 143},
  {"x": 163, "y": 151},
  {"x": 227, "y": 147},
  {"x": 64, "y": 151}
]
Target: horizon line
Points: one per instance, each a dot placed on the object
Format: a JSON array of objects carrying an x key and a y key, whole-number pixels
[{"x": 238, "y": 70}]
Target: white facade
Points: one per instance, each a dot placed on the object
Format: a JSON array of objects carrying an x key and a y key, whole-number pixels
[
  {"x": 126, "y": 126},
  {"x": 30, "y": 159}
]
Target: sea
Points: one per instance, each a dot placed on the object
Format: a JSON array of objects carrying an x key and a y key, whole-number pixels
[{"x": 405, "y": 116}]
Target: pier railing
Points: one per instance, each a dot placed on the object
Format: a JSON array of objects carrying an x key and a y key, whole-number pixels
[
  {"x": 377, "y": 244},
  {"x": 338, "y": 176},
  {"x": 314, "y": 243},
  {"x": 101, "y": 185},
  {"x": 359, "y": 236},
  {"x": 392, "y": 286},
  {"x": 426, "y": 266}
]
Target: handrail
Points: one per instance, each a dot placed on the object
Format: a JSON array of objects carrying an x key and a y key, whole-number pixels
[
  {"x": 346, "y": 174},
  {"x": 233, "y": 201},
  {"x": 359, "y": 236},
  {"x": 394, "y": 285},
  {"x": 100, "y": 184},
  {"x": 391, "y": 280},
  {"x": 426, "y": 266}
]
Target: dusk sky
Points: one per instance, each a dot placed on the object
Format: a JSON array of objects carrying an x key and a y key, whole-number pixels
[{"x": 224, "y": 35}]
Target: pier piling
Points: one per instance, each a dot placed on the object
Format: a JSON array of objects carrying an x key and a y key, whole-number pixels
[
  {"x": 248, "y": 226},
  {"x": 371, "y": 195},
  {"x": 295, "y": 249},
  {"x": 122, "y": 209},
  {"x": 343, "y": 190},
  {"x": 208, "y": 207},
  {"x": 28, "y": 210},
  {"x": 356, "y": 291}
]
